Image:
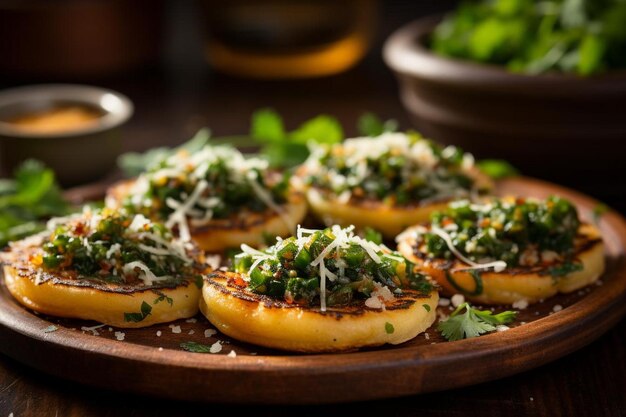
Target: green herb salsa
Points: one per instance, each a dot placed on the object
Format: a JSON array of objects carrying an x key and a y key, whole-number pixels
[
  {"x": 213, "y": 183},
  {"x": 347, "y": 266},
  {"x": 516, "y": 231},
  {"x": 397, "y": 168},
  {"x": 114, "y": 247}
]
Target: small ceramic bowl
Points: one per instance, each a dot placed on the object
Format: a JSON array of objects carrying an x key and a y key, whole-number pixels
[
  {"x": 77, "y": 155},
  {"x": 545, "y": 124}
]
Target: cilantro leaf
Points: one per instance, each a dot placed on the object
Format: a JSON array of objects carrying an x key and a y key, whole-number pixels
[
  {"x": 134, "y": 163},
  {"x": 145, "y": 311},
  {"x": 267, "y": 126},
  {"x": 320, "y": 129},
  {"x": 371, "y": 125},
  {"x": 288, "y": 149},
  {"x": 372, "y": 235},
  {"x": 472, "y": 323},
  {"x": 495, "y": 319},
  {"x": 28, "y": 199},
  {"x": 497, "y": 168}
]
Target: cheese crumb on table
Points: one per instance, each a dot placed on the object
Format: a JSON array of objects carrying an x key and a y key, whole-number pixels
[
  {"x": 159, "y": 333},
  {"x": 210, "y": 332},
  {"x": 520, "y": 304},
  {"x": 232, "y": 354},
  {"x": 457, "y": 300},
  {"x": 119, "y": 335},
  {"x": 175, "y": 329},
  {"x": 216, "y": 347},
  {"x": 557, "y": 308}
]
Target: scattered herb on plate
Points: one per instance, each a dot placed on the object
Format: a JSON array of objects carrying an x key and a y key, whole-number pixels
[
  {"x": 195, "y": 347},
  {"x": 473, "y": 322}
]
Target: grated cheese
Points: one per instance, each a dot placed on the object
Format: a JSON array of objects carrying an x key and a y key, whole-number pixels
[{"x": 498, "y": 266}]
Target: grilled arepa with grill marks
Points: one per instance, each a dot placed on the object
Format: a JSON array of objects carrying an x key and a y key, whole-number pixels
[
  {"x": 215, "y": 197},
  {"x": 322, "y": 291},
  {"x": 545, "y": 251},
  {"x": 115, "y": 269},
  {"x": 265, "y": 321},
  {"x": 389, "y": 182}
]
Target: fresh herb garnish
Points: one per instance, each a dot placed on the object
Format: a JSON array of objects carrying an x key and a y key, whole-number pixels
[
  {"x": 497, "y": 168},
  {"x": 598, "y": 211},
  {"x": 27, "y": 200},
  {"x": 195, "y": 347},
  {"x": 509, "y": 230},
  {"x": 399, "y": 169},
  {"x": 389, "y": 329},
  {"x": 163, "y": 297},
  {"x": 373, "y": 235},
  {"x": 286, "y": 149},
  {"x": 472, "y": 323},
  {"x": 371, "y": 125},
  {"x": 134, "y": 163},
  {"x": 426, "y": 307},
  {"x": 294, "y": 268},
  {"x": 146, "y": 310},
  {"x": 564, "y": 269},
  {"x": 573, "y": 36}
]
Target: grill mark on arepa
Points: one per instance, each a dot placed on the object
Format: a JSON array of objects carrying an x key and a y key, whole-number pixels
[{"x": 219, "y": 281}]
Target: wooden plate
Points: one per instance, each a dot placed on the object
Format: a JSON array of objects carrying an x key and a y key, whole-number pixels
[{"x": 150, "y": 361}]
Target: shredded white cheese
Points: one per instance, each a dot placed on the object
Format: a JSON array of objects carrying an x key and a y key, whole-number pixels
[{"x": 498, "y": 266}]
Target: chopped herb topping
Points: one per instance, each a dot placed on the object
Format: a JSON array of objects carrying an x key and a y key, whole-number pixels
[
  {"x": 117, "y": 248},
  {"x": 146, "y": 310},
  {"x": 327, "y": 267},
  {"x": 389, "y": 329},
  {"x": 473, "y": 322},
  {"x": 501, "y": 233},
  {"x": 398, "y": 168},
  {"x": 426, "y": 307},
  {"x": 192, "y": 189}
]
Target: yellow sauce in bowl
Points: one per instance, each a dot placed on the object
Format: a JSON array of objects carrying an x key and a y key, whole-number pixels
[{"x": 57, "y": 119}]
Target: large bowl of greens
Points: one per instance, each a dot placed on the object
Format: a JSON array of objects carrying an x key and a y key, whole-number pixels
[{"x": 521, "y": 78}]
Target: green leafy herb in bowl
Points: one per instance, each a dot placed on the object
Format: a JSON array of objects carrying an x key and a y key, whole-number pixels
[{"x": 572, "y": 36}]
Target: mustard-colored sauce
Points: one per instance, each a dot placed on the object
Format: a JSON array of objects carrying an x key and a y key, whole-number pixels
[{"x": 57, "y": 119}]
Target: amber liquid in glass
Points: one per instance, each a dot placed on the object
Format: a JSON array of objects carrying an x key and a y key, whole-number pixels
[{"x": 287, "y": 38}]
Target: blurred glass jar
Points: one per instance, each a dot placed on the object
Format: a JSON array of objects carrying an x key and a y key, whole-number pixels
[
  {"x": 78, "y": 38},
  {"x": 287, "y": 38}
]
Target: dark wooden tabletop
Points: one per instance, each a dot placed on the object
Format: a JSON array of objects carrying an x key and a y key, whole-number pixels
[{"x": 181, "y": 94}]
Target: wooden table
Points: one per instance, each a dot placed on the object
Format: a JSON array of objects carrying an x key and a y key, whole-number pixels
[{"x": 182, "y": 95}]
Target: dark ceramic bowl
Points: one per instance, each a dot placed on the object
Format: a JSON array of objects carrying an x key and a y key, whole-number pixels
[
  {"x": 77, "y": 156},
  {"x": 548, "y": 125}
]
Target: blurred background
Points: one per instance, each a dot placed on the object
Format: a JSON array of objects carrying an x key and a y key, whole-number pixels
[{"x": 186, "y": 65}]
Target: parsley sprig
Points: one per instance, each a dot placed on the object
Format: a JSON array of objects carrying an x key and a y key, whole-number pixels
[{"x": 473, "y": 322}]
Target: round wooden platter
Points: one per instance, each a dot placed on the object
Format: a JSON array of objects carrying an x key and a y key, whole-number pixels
[{"x": 150, "y": 361}]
